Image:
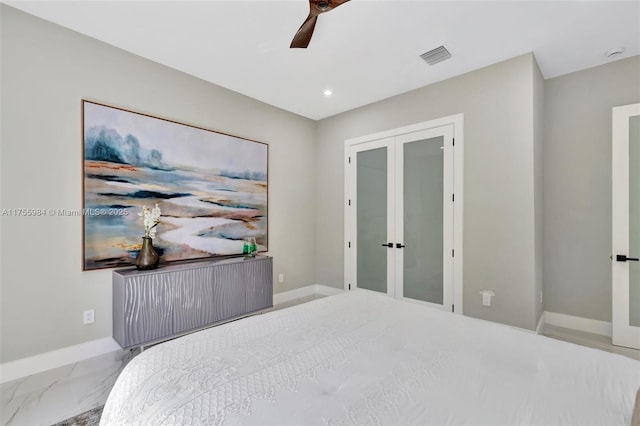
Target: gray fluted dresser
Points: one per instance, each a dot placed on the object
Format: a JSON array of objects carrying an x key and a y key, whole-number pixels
[{"x": 151, "y": 306}]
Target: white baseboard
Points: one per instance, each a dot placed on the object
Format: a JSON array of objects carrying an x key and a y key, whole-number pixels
[
  {"x": 49, "y": 360},
  {"x": 577, "y": 323},
  {"x": 327, "y": 291},
  {"x": 286, "y": 296}
]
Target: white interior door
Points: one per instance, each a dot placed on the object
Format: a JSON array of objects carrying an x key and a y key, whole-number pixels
[
  {"x": 626, "y": 226},
  {"x": 399, "y": 215},
  {"x": 372, "y": 166},
  {"x": 424, "y": 216}
]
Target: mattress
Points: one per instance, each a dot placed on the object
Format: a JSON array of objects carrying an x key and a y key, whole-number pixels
[{"x": 364, "y": 358}]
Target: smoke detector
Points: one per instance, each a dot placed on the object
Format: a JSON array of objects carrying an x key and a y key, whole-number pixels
[{"x": 436, "y": 55}]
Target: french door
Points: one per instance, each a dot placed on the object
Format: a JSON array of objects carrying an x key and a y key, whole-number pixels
[
  {"x": 625, "y": 267},
  {"x": 400, "y": 216}
]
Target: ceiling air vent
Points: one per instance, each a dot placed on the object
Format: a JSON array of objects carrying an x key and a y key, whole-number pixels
[{"x": 436, "y": 55}]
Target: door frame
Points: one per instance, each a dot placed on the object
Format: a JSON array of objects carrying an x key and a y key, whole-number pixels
[
  {"x": 457, "y": 122},
  {"x": 623, "y": 334}
]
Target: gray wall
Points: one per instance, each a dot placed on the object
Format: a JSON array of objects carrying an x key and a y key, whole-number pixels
[
  {"x": 577, "y": 185},
  {"x": 45, "y": 71},
  {"x": 499, "y": 232},
  {"x": 510, "y": 181}
]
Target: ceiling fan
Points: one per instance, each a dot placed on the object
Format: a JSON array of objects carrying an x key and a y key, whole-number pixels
[{"x": 316, "y": 7}]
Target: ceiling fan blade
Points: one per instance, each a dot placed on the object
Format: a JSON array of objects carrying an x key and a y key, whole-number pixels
[
  {"x": 316, "y": 7},
  {"x": 303, "y": 36}
]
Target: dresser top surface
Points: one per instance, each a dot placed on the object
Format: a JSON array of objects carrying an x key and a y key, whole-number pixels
[{"x": 132, "y": 271}]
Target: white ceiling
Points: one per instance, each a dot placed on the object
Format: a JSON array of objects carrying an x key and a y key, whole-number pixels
[{"x": 364, "y": 51}]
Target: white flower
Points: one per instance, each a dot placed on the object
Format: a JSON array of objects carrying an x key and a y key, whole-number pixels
[{"x": 150, "y": 219}]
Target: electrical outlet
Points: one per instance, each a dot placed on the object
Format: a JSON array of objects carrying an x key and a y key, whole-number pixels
[
  {"x": 486, "y": 297},
  {"x": 540, "y": 296},
  {"x": 281, "y": 278},
  {"x": 88, "y": 317},
  {"x": 486, "y": 300}
]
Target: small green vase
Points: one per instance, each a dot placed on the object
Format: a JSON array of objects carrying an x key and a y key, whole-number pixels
[{"x": 147, "y": 258}]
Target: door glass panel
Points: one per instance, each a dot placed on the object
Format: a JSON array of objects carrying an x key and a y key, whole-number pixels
[
  {"x": 372, "y": 219},
  {"x": 423, "y": 202},
  {"x": 634, "y": 220}
]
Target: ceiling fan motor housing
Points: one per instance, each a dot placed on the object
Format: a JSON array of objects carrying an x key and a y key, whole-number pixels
[{"x": 323, "y": 5}]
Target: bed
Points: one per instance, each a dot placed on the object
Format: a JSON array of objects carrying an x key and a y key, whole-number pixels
[{"x": 364, "y": 358}]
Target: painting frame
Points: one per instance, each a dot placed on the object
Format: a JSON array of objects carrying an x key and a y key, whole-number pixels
[{"x": 212, "y": 188}]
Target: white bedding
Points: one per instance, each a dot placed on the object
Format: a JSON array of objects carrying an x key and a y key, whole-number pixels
[{"x": 364, "y": 358}]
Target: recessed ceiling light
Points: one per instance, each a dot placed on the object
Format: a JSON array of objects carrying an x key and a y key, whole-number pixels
[
  {"x": 328, "y": 92},
  {"x": 614, "y": 52}
]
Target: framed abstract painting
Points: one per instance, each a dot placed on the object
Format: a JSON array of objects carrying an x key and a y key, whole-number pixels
[{"x": 212, "y": 188}]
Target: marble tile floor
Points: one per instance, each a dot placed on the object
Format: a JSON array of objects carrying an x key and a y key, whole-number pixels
[
  {"x": 55, "y": 395},
  {"x": 64, "y": 392}
]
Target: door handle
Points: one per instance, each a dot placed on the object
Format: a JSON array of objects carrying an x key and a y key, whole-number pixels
[
  {"x": 387, "y": 245},
  {"x": 398, "y": 245},
  {"x": 624, "y": 258}
]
